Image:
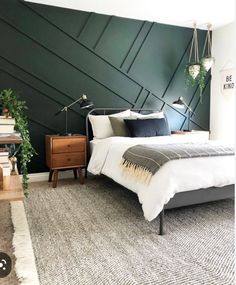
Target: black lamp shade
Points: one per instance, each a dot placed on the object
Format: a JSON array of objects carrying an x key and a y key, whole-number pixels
[
  {"x": 85, "y": 103},
  {"x": 179, "y": 103}
]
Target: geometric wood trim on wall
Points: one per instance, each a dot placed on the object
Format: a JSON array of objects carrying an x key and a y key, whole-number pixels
[{"x": 53, "y": 55}]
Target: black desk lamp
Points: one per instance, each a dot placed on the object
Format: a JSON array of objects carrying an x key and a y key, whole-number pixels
[
  {"x": 84, "y": 104},
  {"x": 180, "y": 104}
]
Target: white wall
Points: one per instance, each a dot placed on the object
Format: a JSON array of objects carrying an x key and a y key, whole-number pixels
[{"x": 222, "y": 108}]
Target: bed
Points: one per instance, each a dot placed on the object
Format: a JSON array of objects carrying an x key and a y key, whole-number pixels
[{"x": 170, "y": 187}]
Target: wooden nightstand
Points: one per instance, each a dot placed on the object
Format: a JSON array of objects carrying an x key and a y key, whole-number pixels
[{"x": 65, "y": 152}]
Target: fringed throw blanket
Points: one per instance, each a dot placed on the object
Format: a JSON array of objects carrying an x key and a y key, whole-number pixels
[{"x": 143, "y": 161}]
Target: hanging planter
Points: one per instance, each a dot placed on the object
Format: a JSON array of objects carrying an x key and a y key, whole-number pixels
[
  {"x": 207, "y": 59},
  {"x": 194, "y": 70},
  {"x": 207, "y": 62}
]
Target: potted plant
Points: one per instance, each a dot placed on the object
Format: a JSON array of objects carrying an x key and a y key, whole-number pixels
[
  {"x": 207, "y": 62},
  {"x": 15, "y": 107},
  {"x": 195, "y": 71},
  {"x": 195, "y": 75}
]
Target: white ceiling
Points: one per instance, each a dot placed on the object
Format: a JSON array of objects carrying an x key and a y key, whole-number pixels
[{"x": 173, "y": 12}]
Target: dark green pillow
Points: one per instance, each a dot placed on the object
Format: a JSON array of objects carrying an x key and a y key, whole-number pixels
[{"x": 118, "y": 126}]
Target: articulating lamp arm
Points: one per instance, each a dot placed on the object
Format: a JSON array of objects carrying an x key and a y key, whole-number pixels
[{"x": 65, "y": 108}]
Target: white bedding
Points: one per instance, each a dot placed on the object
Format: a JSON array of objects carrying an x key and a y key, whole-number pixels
[
  {"x": 93, "y": 143},
  {"x": 175, "y": 176}
]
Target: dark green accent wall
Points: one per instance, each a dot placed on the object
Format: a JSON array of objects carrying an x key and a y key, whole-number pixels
[{"x": 53, "y": 55}]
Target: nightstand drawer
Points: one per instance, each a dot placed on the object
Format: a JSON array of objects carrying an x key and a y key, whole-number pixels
[
  {"x": 68, "y": 145},
  {"x": 68, "y": 159}
]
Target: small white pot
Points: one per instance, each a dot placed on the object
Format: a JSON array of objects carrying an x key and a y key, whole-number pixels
[
  {"x": 194, "y": 70},
  {"x": 207, "y": 62}
]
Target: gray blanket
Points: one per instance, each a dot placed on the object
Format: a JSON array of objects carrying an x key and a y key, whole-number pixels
[{"x": 143, "y": 161}]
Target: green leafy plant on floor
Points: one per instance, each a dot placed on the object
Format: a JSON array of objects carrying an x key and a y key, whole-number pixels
[{"x": 15, "y": 107}]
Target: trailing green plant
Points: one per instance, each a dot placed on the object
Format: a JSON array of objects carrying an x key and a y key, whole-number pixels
[
  {"x": 195, "y": 71},
  {"x": 16, "y": 108},
  {"x": 198, "y": 80}
]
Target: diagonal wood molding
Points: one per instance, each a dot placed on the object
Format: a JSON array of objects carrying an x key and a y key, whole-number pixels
[{"x": 55, "y": 55}]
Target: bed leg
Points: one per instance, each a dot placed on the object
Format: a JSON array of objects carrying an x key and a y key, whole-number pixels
[{"x": 161, "y": 227}]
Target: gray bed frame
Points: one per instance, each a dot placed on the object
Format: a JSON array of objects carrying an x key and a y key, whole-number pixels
[{"x": 181, "y": 199}]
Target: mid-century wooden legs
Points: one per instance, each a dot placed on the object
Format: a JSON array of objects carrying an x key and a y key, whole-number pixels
[
  {"x": 81, "y": 176},
  {"x": 53, "y": 176}
]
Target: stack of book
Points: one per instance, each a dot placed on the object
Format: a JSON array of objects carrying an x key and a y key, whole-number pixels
[
  {"x": 4, "y": 162},
  {"x": 7, "y": 125}
]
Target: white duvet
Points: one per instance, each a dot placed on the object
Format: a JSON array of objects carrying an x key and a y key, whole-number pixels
[{"x": 175, "y": 176}]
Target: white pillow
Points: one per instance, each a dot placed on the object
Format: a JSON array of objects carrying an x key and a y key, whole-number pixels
[
  {"x": 157, "y": 115},
  {"x": 101, "y": 124}
]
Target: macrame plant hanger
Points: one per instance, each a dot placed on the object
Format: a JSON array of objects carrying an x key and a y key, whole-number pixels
[
  {"x": 207, "y": 59},
  {"x": 194, "y": 66},
  {"x": 195, "y": 70}
]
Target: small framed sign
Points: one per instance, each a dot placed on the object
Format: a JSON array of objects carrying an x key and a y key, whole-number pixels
[{"x": 228, "y": 81}]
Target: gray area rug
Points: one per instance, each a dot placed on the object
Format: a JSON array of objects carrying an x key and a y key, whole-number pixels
[{"x": 96, "y": 234}]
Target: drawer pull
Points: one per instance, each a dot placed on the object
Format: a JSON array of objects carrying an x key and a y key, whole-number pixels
[
  {"x": 68, "y": 145},
  {"x": 68, "y": 159}
]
